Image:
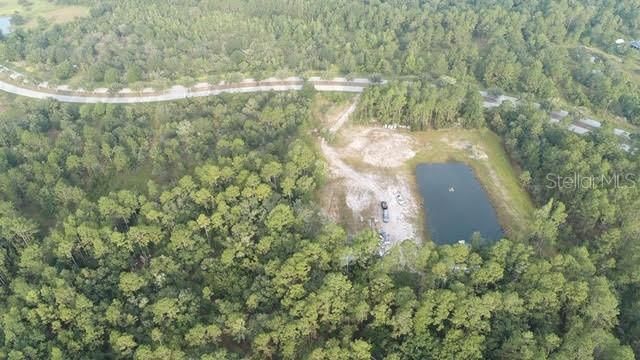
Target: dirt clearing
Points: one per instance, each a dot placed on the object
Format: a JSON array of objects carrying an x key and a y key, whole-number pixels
[
  {"x": 368, "y": 165},
  {"x": 365, "y": 169},
  {"x": 378, "y": 147}
]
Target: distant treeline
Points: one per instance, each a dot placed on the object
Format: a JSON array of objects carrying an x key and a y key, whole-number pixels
[{"x": 526, "y": 46}]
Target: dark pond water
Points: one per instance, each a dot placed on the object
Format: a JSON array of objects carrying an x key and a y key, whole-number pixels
[
  {"x": 455, "y": 204},
  {"x": 5, "y": 24}
]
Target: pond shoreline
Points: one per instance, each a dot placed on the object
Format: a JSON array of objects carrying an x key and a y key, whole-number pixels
[
  {"x": 455, "y": 203},
  {"x": 496, "y": 173}
]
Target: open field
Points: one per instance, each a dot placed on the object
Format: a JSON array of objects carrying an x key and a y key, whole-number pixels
[
  {"x": 369, "y": 164},
  {"x": 49, "y": 10}
]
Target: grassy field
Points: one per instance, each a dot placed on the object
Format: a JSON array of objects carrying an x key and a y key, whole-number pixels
[
  {"x": 33, "y": 9},
  {"x": 493, "y": 169}
]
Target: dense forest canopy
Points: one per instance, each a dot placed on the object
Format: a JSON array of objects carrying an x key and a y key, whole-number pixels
[
  {"x": 517, "y": 46},
  {"x": 187, "y": 230}
]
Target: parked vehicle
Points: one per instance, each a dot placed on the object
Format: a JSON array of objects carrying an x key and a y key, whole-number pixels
[{"x": 385, "y": 211}]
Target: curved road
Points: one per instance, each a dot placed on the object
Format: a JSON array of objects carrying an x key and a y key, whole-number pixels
[
  {"x": 127, "y": 96},
  {"x": 180, "y": 92}
]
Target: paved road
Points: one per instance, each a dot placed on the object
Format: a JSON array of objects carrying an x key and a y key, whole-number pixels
[
  {"x": 180, "y": 92},
  {"x": 127, "y": 96}
]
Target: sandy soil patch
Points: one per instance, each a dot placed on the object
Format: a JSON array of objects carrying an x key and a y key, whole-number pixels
[
  {"x": 360, "y": 178},
  {"x": 381, "y": 147},
  {"x": 363, "y": 192}
]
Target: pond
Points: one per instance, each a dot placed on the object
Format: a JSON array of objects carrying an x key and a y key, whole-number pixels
[
  {"x": 455, "y": 204},
  {"x": 5, "y": 24}
]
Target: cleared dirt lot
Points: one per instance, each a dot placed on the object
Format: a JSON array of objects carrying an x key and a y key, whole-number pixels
[
  {"x": 367, "y": 165},
  {"x": 359, "y": 189}
]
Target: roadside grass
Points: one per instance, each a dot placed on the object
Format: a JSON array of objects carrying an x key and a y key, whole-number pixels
[
  {"x": 327, "y": 106},
  {"x": 52, "y": 12},
  {"x": 325, "y": 110},
  {"x": 497, "y": 174}
]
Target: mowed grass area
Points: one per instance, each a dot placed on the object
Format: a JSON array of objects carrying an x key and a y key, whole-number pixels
[
  {"x": 31, "y": 10},
  {"x": 496, "y": 173}
]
